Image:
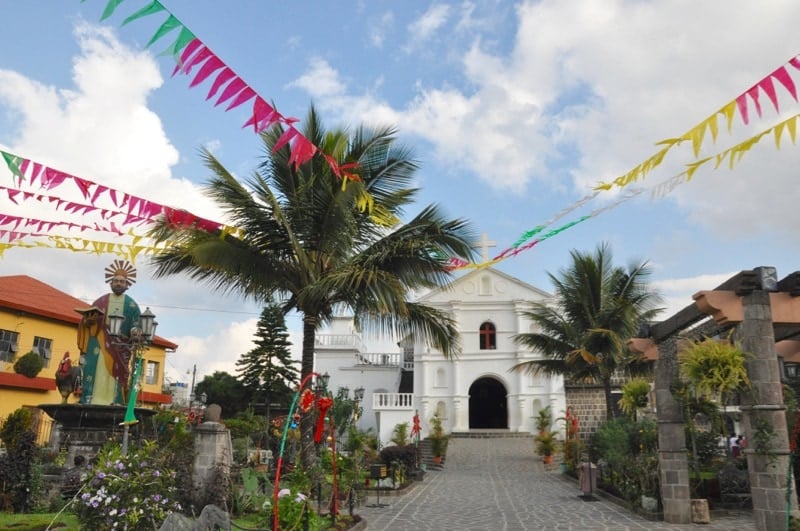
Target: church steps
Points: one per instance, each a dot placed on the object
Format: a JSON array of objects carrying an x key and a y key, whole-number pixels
[{"x": 490, "y": 434}]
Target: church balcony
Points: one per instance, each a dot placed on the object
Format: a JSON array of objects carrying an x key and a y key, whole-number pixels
[
  {"x": 348, "y": 341},
  {"x": 383, "y": 360},
  {"x": 393, "y": 401}
]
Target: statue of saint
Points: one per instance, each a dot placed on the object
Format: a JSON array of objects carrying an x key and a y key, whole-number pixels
[{"x": 106, "y": 360}]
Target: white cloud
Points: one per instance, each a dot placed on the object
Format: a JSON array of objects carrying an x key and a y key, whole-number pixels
[
  {"x": 321, "y": 81},
  {"x": 423, "y": 28},
  {"x": 378, "y": 28},
  {"x": 594, "y": 85},
  {"x": 102, "y": 129}
]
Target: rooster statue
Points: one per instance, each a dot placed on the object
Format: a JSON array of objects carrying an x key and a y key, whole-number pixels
[{"x": 68, "y": 378}]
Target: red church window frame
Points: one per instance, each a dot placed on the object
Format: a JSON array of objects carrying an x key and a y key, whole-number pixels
[{"x": 487, "y": 336}]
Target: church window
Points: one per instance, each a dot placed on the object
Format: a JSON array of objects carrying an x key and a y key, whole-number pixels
[{"x": 488, "y": 336}]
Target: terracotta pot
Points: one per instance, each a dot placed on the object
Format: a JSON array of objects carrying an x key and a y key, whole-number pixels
[{"x": 548, "y": 459}]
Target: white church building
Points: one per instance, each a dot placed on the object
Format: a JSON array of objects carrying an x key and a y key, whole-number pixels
[{"x": 476, "y": 391}]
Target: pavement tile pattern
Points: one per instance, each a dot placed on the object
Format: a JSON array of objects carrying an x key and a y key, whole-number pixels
[{"x": 500, "y": 484}]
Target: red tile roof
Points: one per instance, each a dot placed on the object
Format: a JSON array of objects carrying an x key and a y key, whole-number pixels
[{"x": 26, "y": 294}]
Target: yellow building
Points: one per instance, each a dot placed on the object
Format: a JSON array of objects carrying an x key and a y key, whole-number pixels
[{"x": 37, "y": 317}]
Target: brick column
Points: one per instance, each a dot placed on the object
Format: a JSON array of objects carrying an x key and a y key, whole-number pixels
[
  {"x": 763, "y": 406},
  {"x": 673, "y": 462}
]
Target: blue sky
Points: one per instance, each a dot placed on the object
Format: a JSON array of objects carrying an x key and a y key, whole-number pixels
[{"x": 514, "y": 110}]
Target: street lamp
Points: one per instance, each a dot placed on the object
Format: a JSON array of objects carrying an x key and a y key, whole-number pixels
[
  {"x": 358, "y": 396},
  {"x": 140, "y": 337}
]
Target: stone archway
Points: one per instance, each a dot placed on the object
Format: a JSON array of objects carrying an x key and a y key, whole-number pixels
[{"x": 488, "y": 404}]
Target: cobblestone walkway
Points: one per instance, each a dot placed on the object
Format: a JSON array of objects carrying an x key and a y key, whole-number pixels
[{"x": 500, "y": 484}]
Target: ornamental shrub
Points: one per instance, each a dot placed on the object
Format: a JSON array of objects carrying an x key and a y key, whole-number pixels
[
  {"x": 292, "y": 509},
  {"x": 29, "y": 365},
  {"x": 17, "y": 473},
  {"x": 133, "y": 492}
]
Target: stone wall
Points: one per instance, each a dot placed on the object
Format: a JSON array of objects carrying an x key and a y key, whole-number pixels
[{"x": 588, "y": 403}]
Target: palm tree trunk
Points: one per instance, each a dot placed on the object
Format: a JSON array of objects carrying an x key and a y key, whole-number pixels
[
  {"x": 609, "y": 398},
  {"x": 307, "y": 422},
  {"x": 309, "y": 335}
]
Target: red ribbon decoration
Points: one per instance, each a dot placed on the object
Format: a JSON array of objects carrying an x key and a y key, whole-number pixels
[
  {"x": 306, "y": 400},
  {"x": 323, "y": 404}
]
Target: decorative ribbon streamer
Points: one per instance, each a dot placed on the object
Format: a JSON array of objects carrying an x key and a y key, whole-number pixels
[
  {"x": 696, "y": 134},
  {"x": 137, "y": 207},
  {"x": 323, "y": 404},
  {"x": 190, "y": 52},
  {"x": 279, "y": 464}
]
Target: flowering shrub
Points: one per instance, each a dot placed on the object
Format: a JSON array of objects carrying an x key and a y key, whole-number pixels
[
  {"x": 125, "y": 492},
  {"x": 291, "y": 509}
]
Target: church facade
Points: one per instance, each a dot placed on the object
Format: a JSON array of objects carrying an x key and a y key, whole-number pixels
[{"x": 477, "y": 390}]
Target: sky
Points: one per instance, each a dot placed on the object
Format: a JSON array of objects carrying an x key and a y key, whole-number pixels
[{"x": 514, "y": 110}]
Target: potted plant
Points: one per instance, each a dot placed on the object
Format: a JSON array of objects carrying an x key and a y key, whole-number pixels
[
  {"x": 438, "y": 440},
  {"x": 544, "y": 420},
  {"x": 546, "y": 446},
  {"x": 546, "y": 439}
]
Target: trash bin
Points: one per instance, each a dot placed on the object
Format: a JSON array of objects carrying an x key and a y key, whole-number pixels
[{"x": 587, "y": 478}]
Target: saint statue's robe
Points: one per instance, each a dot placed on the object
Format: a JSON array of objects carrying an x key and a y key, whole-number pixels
[{"x": 106, "y": 360}]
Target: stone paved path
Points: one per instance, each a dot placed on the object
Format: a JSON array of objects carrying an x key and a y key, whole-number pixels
[{"x": 500, "y": 484}]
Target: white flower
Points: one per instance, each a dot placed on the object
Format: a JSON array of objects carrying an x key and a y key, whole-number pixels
[{"x": 284, "y": 492}]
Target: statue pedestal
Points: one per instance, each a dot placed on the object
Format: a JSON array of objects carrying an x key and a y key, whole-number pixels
[{"x": 84, "y": 429}]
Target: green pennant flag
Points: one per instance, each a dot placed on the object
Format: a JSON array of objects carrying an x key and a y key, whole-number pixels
[
  {"x": 110, "y": 7},
  {"x": 170, "y": 24},
  {"x": 150, "y": 9},
  {"x": 13, "y": 162},
  {"x": 184, "y": 38}
]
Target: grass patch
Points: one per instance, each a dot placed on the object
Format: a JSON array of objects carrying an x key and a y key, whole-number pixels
[{"x": 38, "y": 522}]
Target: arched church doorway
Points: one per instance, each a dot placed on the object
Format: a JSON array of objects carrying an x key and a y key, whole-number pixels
[{"x": 488, "y": 407}]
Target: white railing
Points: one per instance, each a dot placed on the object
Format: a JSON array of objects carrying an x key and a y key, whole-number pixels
[
  {"x": 378, "y": 360},
  {"x": 337, "y": 340},
  {"x": 384, "y": 401},
  {"x": 408, "y": 365}
]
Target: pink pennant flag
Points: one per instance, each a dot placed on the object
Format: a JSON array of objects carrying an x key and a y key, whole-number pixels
[
  {"x": 53, "y": 178},
  {"x": 302, "y": 150},
  {"x": 242, "y": 97},
  {"x": 753, "y": 93},
  {"x": 769, "y": 89},
  {"x": 223, "y": 77},
  {"x": 84, "y": 186},
  {"x": 97, "y": 192},
  {"x": 37, "y": 172},
  {"x": 113, "y": 195},
  {"x": 287, "y": 136},
  {"x": 198, "y": 58},
  {"x": 190, "y": 49},
  {"x": 213, "y": 64},
  {"x": 264, "y": 115},
  {"x": 786, "y": 80},
  {"x": 741, "y": 103},
  {"x": 231, "y": 90},
  {"x": 12, "y": 195}
]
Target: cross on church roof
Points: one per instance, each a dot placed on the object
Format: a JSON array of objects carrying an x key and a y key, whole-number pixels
[{"x": 484, "y": 243}]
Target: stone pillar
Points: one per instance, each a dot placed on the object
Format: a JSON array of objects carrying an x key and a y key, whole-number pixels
[
  {"x": 763, "y": 411},
  {"x": 673, "y": 462},
  {"x": 212, "y": 443}
]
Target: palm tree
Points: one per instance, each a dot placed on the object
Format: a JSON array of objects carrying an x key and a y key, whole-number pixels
[
  {"x": 597, "y": 308},
  {"x": 320, "y": 243}
]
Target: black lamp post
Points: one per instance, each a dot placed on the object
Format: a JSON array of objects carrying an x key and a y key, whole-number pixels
[{"x": 140, "y": 337}]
